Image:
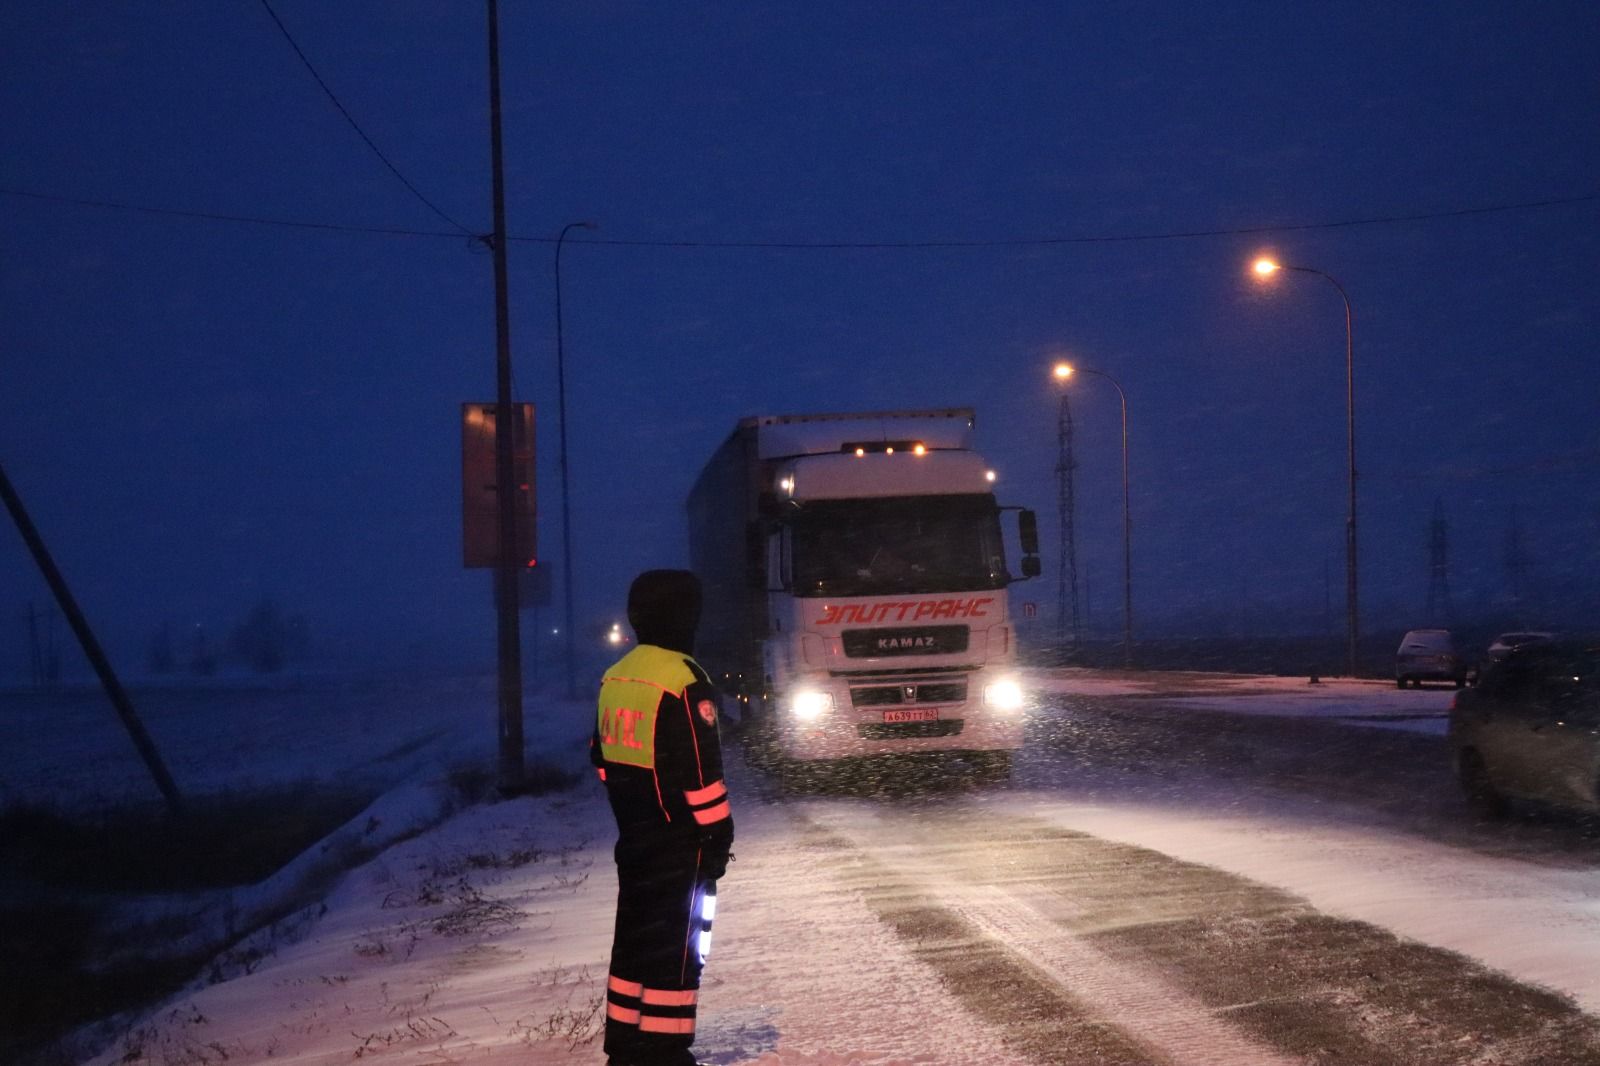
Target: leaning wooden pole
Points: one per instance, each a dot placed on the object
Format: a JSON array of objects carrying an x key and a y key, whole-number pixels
[{"x": 91, "y": 646}]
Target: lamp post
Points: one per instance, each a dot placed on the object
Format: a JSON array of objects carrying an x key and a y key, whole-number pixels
[
  {"x": 1063, "y": 372},
  {"x": 566, "y": 506},
  {"x": 1265, "y": 268},
  {"x": 1067, "y": 581}
]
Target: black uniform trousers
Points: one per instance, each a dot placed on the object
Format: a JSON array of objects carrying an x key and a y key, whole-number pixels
[{"x": 652, "y": 992}]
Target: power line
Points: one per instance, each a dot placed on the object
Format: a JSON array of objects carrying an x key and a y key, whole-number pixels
[
  {"x": 1176, "y": 235},
  {"x": 216, "y": 216},
  {"x": 356, "y": 125},
  {"x": 1018, "y": 242}
]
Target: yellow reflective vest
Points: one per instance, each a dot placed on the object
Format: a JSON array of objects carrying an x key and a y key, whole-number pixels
[{"x": 656, "y": 744}]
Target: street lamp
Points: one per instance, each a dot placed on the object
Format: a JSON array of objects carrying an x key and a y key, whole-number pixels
[
  {"x": 1067, "y": 581},
  {"x": 566, "y": 507},
  {"x": 1063, "y": 372},
  {"x": 1265, "y": 267}
]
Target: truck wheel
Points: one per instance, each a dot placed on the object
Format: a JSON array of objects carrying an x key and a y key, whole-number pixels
[
  {"x": 758, "y": 736},
  {"x": 993, "y": 766},
  {"x": 1482, "y": 797},
  {"x": 795, "y": 775}
]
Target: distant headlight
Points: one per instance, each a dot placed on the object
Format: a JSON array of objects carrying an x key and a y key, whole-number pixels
[
  {"x": 808, "y": 704},
  {"x": 1003, "y": 696}
]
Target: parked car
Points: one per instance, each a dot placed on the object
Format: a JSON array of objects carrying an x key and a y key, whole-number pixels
[
  {"x": 1531, "y": 728},
  {"x": 1429, "y": 655},
  {"x": 1505, "y": 642}
]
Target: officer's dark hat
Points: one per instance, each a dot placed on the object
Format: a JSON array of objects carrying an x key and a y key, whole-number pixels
[{"x": 664, "y": 608}]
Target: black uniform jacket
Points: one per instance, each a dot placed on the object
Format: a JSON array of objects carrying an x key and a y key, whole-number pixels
[{"x": 657, "y": 749}]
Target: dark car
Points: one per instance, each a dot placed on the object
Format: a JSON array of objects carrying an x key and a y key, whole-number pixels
[
  {"x": 1531, "y": 728},
  {"x": 1505, "y": 643},
  {"x": 1429, "y": 655}
]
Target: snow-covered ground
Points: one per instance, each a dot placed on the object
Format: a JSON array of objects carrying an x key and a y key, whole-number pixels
[
  {"x": 485, "y": 938},
  {"x": 1361, "y": 702}
]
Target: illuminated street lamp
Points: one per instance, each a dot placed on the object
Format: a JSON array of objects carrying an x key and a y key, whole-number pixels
[
  {"x": 1265, "y": 267},
  {"x": 1063, "y": 372}
]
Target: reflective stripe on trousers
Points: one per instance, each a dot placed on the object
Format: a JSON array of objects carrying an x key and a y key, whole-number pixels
[{"x": 653, "y": 1010}]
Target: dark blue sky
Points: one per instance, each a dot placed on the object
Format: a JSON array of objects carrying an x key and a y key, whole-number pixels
[{"x": 202, "y": 413}]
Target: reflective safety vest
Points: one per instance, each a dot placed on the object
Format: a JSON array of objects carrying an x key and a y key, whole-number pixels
[
  {"x": 630, "y": 700},
  {"x": 656, "y": 744}
]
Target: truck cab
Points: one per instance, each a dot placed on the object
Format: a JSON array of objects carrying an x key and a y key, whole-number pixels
[{"x": 876, "y": 591}]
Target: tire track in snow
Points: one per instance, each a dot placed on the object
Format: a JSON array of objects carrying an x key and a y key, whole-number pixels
[
  {"x": 1183, "y": 1028},
  {"x": 987, "y": 940},
  {"x": 1181, "y": 956}
]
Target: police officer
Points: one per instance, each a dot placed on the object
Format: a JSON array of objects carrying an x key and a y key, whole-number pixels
[{"x": 656, "y": 748}]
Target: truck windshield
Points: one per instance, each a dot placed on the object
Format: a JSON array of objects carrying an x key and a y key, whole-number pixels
[{"x": 900, "y": 545}]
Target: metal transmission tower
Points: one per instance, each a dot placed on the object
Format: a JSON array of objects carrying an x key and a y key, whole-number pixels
[
  {"x": 1067, "y": 588},
  {"x": 1516, "y": 562},
  {"x": 1440, "y": 607}
]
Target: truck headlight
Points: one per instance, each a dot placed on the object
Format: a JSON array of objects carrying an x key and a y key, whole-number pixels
[
  {"x": 1003, "y": 695},
  {"x": 808, "y": 704}
]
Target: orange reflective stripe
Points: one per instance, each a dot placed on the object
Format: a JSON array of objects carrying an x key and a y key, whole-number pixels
[
  {"x": 625, "y": 988},
  {"x": 651, "y": 1024},
  {"x": 713, "y": 814},
  {"x": 697, "y": 796},
  {"x": 665, "y": 997},
  {"x": 622, "y": 1014},
  {"x": 639, "y": 681}
]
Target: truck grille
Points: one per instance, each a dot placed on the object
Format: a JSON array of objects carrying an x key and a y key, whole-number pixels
[
  {"x": 920, "y": 640},
  {"x": 944, "y": 727},
  {"x": 910, "y": 692}
]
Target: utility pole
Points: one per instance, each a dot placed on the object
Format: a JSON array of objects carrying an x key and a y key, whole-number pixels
[
  {"x": 35, "y": 651},
  {"x": 1516, "y": 562},
  {"x": 566, "y": 481},
  {"x": 91, "y": 646},
  {"x": 1440, "y": 608},
  {"x": 508, "y": 628}
]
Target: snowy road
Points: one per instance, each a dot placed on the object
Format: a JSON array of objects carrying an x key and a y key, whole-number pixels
[{"x": 1162, "y": 883}]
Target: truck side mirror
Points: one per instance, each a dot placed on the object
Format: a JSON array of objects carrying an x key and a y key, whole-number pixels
[
  {"x": 1030, "y": 566},
  {"x": 1028, "y": 528}
]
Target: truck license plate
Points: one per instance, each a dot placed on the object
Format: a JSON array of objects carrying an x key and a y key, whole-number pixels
[{"x": 921, "y": 714}]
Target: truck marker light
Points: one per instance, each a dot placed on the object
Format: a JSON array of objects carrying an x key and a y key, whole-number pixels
[
  {"x": 920, "y": 449},
  {"x": 988, "y": 475}
]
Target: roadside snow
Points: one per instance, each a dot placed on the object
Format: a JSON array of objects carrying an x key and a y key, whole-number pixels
[
  {"x": 485, "y": 939},
  {"x": 1360, "y": 702}
]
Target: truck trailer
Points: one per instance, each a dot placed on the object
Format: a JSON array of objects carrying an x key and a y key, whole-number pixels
[{"x": 856, "y": 587}]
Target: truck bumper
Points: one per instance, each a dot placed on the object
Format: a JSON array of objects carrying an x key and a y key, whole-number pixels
[{"x": 867, "y": 716}]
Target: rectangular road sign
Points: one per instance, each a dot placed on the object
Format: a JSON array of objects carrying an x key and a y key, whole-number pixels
[{"x": 480, "y": 522}]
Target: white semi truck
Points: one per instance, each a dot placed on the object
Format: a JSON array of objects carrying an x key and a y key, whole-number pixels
[{"x": 856, "y": 587}]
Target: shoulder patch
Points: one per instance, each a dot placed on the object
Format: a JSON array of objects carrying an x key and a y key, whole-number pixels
[{"x": 707, "y": 711}]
